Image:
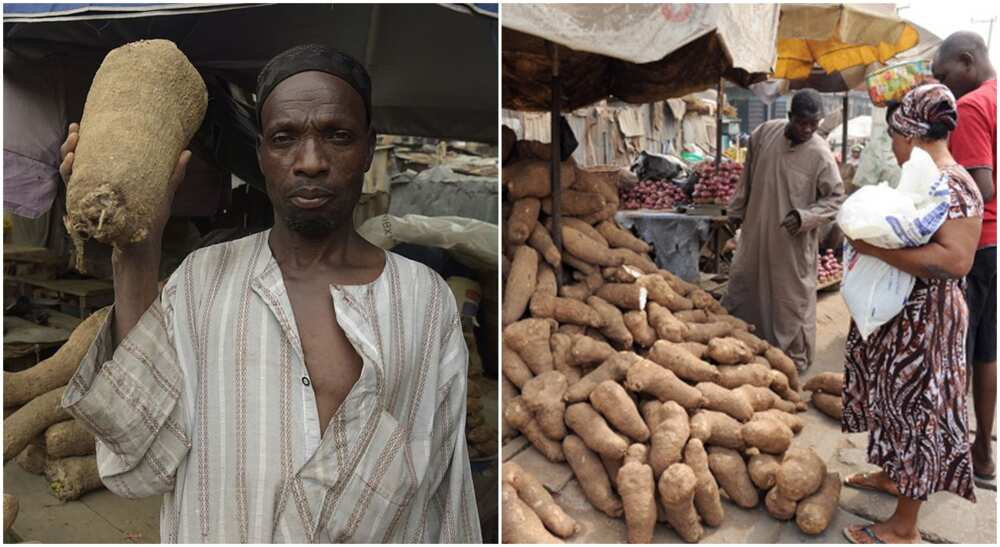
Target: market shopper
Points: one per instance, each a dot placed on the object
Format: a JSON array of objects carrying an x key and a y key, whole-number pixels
[
  {"x": 790, "y": 187},
  {"x": 962, "y": 63},
  {"x": 905, "y": 385},
  {"x": 297, "y": 385}
]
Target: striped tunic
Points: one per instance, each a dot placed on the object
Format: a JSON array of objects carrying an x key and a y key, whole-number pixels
[{"x": 207, "y": 401}]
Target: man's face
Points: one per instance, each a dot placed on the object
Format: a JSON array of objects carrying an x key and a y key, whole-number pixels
[
  {"x": 956, "y": 72},
  {"x": 315, "y": 148},
  {"x": 801, "y": 127}
]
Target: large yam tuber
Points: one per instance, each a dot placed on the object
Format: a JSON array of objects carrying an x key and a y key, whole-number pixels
[
  {"x": 520, "y": 523},
  {"x": 576, "y": 263},
  {"x": 612, "y": 401},
  {"x": 791, "y": 420},
  {"x": 637, "y": 488},
  {"x": 706, "y": 494},
  {"x": 725, "y": 400},
  {"x": 826, "y": 382},
  {"x": 763, "y": 468},
  {"x": 666, "y": 325},
  {"x": 541, "y": 241},
  {"x": 647, "y": 377},
  {"x": 614, "y": 323},
  {"x": 593, "y": 429},
  {"x": 33, "y": 458},
  {"x": 588, "y": 250},
  {"x": 627, "y": 296},
  {"x": 543, "y": 395},
  {"x": 756, "y": 345},
  {"x": 779, "y": 506},
  {"x": 801, "y": 473},
  {"x": 516, "y": 413},
  {"x": 680, "y": 286},
  {"x": 532, "y": 493},
  {"x": 718, "y": 429},
  {"x": 592, "y": 476},
  {"x": 10, "y": 508},
  {"x": 614, "y": 368},
  {"x": 638, "y": 326},
  {"x": 634, "y": 259},
  {"x": 619, "y": 237},
  {"x": 31, "y": 420},
  {"x": 520, "y": 284},
  {"x": 583, "y": 227},
  {"x": 760, "y": 398},
  {"x": 815, "y": 512},
  {"x": 661, "y": 293},
  {"x": 779, "y": 385},
  {"x": 530, "y": 177},
  {"x": 68, "y": 438},
  {"x": 513, "y": 367},
  {"x": 782, "y": 363},
  {"x": 734, "y": 376},
  {"x": 576, "y": 291},
  {"x": 70, "y": 478},
  {"x": 728, "y": 468},
  {"x": 677, "y": 489},
  {"x": 705, "y": 301},
  {"x": 143, "y": 107},
  {"x": 703, "y": 333},
  {"x": 831, "y": 405},
  {"x": 621, "y": 274},
  {"x": 545, "y": 281},
  {"x": 692, "y": 316},
  {"x": 768, "y": 436},
  {"x": 562, "y": 346},
  {"x": 585, "y": 350},
  {"x": 522, "y": 220},
  {"x": 669, "y": 435},
  {"x": 530, "y": 339},
  {"x": 681, "y": 362},
  {"x": 21, "y": 387},
  {"x": 694, "y": 348},
  {"x": 729, "y": 351},
  {"x": 565, "y": 310},
  {"x": 575, "y": 203}
]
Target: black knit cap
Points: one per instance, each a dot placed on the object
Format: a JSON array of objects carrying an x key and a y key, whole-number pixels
[{"x": 309, "y": 57}]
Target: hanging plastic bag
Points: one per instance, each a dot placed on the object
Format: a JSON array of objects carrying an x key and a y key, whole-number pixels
[{"x": 890, "y": 218}]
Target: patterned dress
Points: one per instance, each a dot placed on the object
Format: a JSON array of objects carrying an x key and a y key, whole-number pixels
[{"x": 906, "y": 385}]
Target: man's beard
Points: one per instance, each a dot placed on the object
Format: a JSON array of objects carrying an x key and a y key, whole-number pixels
[{"x": 311, "y": 226}]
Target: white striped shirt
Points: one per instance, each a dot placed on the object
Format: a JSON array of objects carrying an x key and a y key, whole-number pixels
[{"x": 207, "y": 401}]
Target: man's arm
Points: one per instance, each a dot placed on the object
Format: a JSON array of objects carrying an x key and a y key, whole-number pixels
[
  {"x": 830, "y": 192},
  {"x": 971, "y": 144},
  {"x": 984, "y": 181},
  {"x": 741, "y": 198}
]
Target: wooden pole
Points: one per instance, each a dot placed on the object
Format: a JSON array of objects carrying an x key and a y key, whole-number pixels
[
  {"x": 555, "y": 115},
  {"x": 719, "y": 101},
  {"x": 843, "y": 135}
]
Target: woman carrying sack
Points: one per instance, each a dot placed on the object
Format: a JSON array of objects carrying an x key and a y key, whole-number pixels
[{"x": 906, "y": 383}]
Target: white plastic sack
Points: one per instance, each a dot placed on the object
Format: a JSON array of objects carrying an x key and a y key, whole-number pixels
[
  {"x": 472, "y": 242},
  {"x": 890, "y": 218}
]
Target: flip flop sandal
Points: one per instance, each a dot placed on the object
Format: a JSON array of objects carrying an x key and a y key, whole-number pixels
[
  {"x": 867, "y": 530},
  {"x": 847, "y": 482}
]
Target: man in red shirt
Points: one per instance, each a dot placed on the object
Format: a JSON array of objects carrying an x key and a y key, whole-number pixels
[{"x": 962, "y": 63}]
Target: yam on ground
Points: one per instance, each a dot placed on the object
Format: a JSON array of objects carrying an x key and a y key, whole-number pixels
[
  {"x": 33, "y": 458},
  {"x": 677, "y": 488},
  {"x": 614, "y": 368},
  {"x": 621, "y": 274},
  {"x": 70, "y": 478},
  {"x": 791, "y": 420},
  {"x": 706, "y": 494},
  {"x": 638, "y": 326},
  {"x": 594, "y": 430},
  {"x": 763, "y": 468},
  {"x": 703, "y": 333},
  {"x": 801, "y": 474},
  {"x": 717, "y": 429},
  {"x": 68, "y": 438},
  {"x": 613, "y": 402},
  {"x": 666, "y": 325},
  {"x": 637, "y": 488},
  {"x": 725, "y": 400},
  {"x": 815, "y": 512},
  {"x": 530, "y": 339},
  {"x": 592, "y": 476},
  {"x": 507, "y": 392},
  {"x": 31, "y": 420},
  {"x": 831, "y": 405},
  {"x": 729, "y": 469},
  {"x": 760, "y": 398},
  {"x": 21, "y": 387},
  {"x": 826, "y": 382},
  {"x": 669, "y": 436},
  {"x": 145, "y": 104},
  {"x": 522, "y": 220},
  {"x": 779, "y": 506},
  {"x": 729, "y": 351},
  {"x": 734, "y": 376},
  {"x": 534, "y": 494},
  {"x": 680, "y": 286},
  {"x": 520, "y": 284},
  {"x": 644, "y": 376},
  {"x": 756, "y": 345},
  {"x": 516, "y": 413},
  {"x": 705, "y": 301},
  {"x": 681, "y": 362},
  {"x": 768, "y": 436},
  {"x": 543, "y": 395},
  {"x": 737, "y": 323},
  {"x": 520, "y": 523},
  {"x": 781, "y": 362}
]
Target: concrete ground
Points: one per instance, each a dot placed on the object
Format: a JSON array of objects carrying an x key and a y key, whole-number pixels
[{"x": 945, "y": 518}]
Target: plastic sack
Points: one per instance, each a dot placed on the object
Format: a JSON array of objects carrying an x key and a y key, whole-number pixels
[
  {"x": 472, "y": 242},
  {"x": 890, "y": 218}
]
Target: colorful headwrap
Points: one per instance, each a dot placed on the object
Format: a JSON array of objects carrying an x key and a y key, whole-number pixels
[{"x": 923, "y": 106}]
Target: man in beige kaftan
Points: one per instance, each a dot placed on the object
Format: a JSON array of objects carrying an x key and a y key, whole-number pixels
[{"x": 790, "y": 187}]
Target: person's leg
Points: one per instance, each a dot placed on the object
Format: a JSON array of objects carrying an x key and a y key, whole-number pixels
[
  {"x": 901, "y": 527},
  {"x": 981, "y": 292}
]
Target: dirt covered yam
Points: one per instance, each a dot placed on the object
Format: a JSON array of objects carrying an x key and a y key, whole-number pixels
[
  {"x": 627, "y": 296},
  {"x": 620, "y": 237},
  {"x": 826, "y": 382},
  {"x": 728, "y": 468},
  {"x": 703, "y": 333},
  {"x": 784, "y": 364},
  {"x": 637, "y": 487},
  {"x": 671, "y": 431},
  {"x": 520, "y": 284},
  {"x": 530, "y": 339},
  {"x": 143, "y": 107},
  {"x": 733, "y": 403},
  {"x": 717, "y": 429},
  {"x": 520, "y": 523},
  {"x": 729, "y": 351},
  {"x": 70, "y": 478},
  {"x": 69, "y": 438},
  {"x": 661, "y": 293},
  {"x": 801, "y": 473},
  {"x": 31, "y": 420},
  {"x": 706, "y": 494},
  {"x": 588, "y": 250},
  {"x": 779, "y": 506},
  {"x": 585, "y": 350},
  {"x": 768, "y": 436},
  {"x": 681, "y": 362},
  {"x": 592, "y": 476},
  {"x": 522, "y": 220},
  {"x": 33, "y": 458},
  {"x": 612, "y": 401},
  {"x": 677, "y": 490},
  {"x": 645, "y": 376},
  {"x": 513, "y": 367},
  {"x": 666, "y": 325},
  {"x": 594, "y": 430},
  {"x": 532, "y": 493},
  {"x": 614, "y": 368},
  {"x": 516, "y": 413},
  {"x": 614, "y": 322},
  {"x": 763, "y": 468},
  {"x": 831, "y": 405},
  {"x": 734, "y": 376},
  {"x": 543, "y": 396},
  {"x": 638, "y": 325},
  {"x": 815, "y": 512},
  {"x": 565, "y": 310},
  {"x": 541, "y": 241}
]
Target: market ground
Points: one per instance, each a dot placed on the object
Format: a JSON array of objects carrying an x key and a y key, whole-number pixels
[{"x": 945, "y": 518}]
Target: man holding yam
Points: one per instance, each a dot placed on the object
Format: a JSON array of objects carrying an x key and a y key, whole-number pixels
[{"x": 297, "y": 385}]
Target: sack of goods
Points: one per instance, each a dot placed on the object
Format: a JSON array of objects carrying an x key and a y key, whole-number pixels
[{"x": 890, "y": 218}]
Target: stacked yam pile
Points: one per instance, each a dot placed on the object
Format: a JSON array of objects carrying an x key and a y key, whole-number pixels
[
  {"x": 827, "y": 393},
  {"x": 41, "y": 436},
  {"x": 659, "y": 400}
]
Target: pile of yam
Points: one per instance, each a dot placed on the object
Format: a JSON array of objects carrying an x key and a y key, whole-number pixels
[
  {"x": 660, "y": 402},
  {"x": 39, "y": 434}
]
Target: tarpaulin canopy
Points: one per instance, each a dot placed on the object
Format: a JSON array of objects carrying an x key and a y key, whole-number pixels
[
  {"x": 433, "y": 67},
  {"x": 638, "y": 53},
  {"x": 839, "y": 36}
]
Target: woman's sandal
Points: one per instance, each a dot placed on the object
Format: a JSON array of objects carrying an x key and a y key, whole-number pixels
[
  {"x": 850, "y": 532},
  {"x": 851, "y": 480}
]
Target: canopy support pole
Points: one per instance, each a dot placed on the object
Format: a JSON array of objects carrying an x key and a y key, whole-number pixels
[
  {"x": 843, "y": 136},
  {"x": 555, "y": 116},
  {"x": 720, "y": 100}
]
